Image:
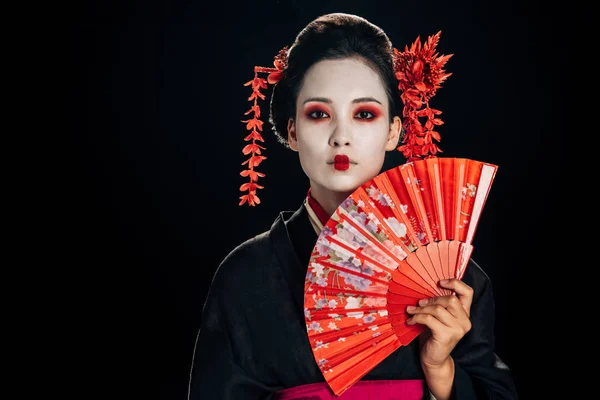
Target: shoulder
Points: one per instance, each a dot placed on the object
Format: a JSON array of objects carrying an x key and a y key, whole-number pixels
[
  {"x": 241, "y": 275},
  {"x": 249, "y": 260},
  {"x": 233, "y": 280},
  {"x": 249, "y": 248},
  {"x": 241, "y": 263}
]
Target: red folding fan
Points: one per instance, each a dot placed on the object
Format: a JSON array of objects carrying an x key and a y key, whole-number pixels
[{"x": 386, "y": 247}]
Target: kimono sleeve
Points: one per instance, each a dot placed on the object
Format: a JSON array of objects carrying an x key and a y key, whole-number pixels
[
  {"x": 215, "y": 374},
  {"x": 479, "y": 372}
]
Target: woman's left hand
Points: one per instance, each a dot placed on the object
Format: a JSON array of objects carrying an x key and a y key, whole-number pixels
[{"x": 447, "y": 318}]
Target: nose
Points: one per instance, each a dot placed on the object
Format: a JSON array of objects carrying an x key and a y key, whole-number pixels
[{"x": 341, "y": 136}]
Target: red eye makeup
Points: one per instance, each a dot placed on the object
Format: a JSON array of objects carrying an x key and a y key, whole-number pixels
[
  {"x": 367, "y": 113},
  {"x": 362, "y": 113},
  {"x": 316, "y": 112}
]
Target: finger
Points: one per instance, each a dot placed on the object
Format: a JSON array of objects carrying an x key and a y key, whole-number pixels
[
  {"x": 439, "y": 312},
  {"x": 462, "y": 290},
  {"x": 451, "y": 303},
  {"x": 429, "y": 321}
]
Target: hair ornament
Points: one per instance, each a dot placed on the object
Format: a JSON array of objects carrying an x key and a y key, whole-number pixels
[
  {"x": 420, "y": 72},
  {"x": 255, "y": 126}
]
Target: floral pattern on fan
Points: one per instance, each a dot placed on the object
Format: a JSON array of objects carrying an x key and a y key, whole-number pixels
[{"x": 385, "y": 247}]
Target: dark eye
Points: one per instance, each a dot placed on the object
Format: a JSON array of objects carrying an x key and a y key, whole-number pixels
[
  {"x": 365, "y": 115},
  {"x": 318, "y": 114}
]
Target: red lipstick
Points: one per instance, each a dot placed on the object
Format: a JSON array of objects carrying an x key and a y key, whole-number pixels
[{"x": 341, "y": 162}]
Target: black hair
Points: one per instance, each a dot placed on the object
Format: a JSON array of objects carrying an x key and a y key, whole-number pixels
[{"x": 332, "y": 36}]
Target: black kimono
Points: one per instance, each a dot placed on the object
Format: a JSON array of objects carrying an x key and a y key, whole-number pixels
[{"x": 253, "y": 342}]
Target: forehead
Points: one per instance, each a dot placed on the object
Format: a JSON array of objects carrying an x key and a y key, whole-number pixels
[{"x": 343, "y": 79}]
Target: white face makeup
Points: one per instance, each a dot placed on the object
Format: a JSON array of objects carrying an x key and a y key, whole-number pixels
[{"x": 342, "y": 109}]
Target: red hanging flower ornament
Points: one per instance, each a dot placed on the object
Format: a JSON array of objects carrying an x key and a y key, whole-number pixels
[
  {"x": 420, "y": 72},
  {"x": 255, "y": 126}
]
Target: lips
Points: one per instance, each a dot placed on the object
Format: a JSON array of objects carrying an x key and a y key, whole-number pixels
[{"x": 341, "y": 162}]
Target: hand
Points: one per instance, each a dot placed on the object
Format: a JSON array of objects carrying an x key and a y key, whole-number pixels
[{"x": 447, "y": 318}]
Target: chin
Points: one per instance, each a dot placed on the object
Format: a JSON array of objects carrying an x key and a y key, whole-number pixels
[{"x": 345, "y": 185}]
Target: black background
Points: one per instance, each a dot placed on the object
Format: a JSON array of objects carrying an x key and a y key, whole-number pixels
[{"x": 155, "y": 98}]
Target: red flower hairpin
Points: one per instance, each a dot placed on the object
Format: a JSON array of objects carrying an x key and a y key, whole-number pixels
[
  {"x": 420, "y": 72},
  {"x": 255, "y": 125}
]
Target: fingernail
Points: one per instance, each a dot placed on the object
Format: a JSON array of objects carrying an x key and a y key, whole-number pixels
[
  {"x": 423, "y": 302},
  {"x": 409, "y": 321},
  {"x": 444, "y": 281},
  {"x": 411, "y": 308}
]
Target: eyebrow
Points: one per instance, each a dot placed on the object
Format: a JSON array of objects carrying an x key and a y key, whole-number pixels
[
  {"x": 365, "y": 100},
  {"x": 355, "y": 101}
]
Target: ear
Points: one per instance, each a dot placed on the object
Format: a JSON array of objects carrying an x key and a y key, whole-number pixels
[
  {"x": 291, "y": 137},
  {"x": 394, "y": 135}
]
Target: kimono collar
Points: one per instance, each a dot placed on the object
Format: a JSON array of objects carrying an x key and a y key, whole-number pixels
[{"x": 317, "y": 215}]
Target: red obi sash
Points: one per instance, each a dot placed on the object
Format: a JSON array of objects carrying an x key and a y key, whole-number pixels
[{"x": 411, "y": 389}]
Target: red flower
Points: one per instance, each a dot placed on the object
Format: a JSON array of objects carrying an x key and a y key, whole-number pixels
[
  {"x": 250, "y": 186},
  {"x": 254, "y": 109},
  {"x": 256, "y": 94},
  {"x": 254, "y": 135},
  {"x": 257, "y": 83},
  {"x": 274, "y": 77},
  {"x": 252, "y": 174},
  {"x": 251, "y": 198},
  {"x": 254, "y": 124},
  {"x": 280, "y": 64},
  {"x": 252, "y": 148},
  {"x": 420, "y": 72},
  {"x": 254, "y": 161}
]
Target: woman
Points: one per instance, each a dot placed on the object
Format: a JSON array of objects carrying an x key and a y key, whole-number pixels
[{"x": 336, "y": 103}]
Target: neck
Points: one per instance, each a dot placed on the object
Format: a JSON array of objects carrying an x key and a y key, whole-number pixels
[{"x": 327, "y": 199}]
